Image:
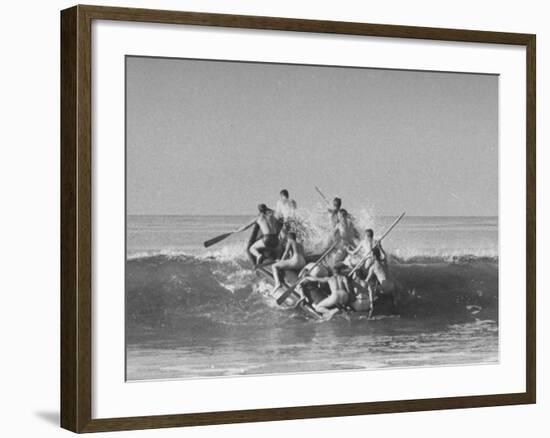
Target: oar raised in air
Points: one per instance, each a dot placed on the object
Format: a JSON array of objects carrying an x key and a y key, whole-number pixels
[
  {"x": 364, "y": 258},
  {"x": 221, "y": 237},
  {"x": 302, "y": 277},
  {"x": 322, "y": 195}
]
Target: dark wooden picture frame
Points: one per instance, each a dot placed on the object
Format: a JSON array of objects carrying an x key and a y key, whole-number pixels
[{"x": 76, "y": 218}]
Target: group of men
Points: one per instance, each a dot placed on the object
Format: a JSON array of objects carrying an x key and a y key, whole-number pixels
[
  {"x": 279, "y": 226},
  {"x": 271, "y": 226}
]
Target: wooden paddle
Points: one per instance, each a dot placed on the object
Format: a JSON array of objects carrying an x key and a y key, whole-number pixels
[
  {"x": 322, "y": 195},
  {"x": 221, "y": 237},
  {"x": 364, "y": 258},
  {"x": 302, "y": 277}
]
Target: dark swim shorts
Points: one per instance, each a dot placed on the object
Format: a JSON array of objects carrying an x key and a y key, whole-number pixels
[{"x": 271, "y": 240}]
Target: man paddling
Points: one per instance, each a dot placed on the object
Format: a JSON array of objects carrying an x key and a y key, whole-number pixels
[
  {"x": 269, "y": 227},
  {"x": 365, "y": 277},
  {"x": 379, "y": 271},
  {"x": 333, "y": 211},
  {"x": 368, "y": 243}
]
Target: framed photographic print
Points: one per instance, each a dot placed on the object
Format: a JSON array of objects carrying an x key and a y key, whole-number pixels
[{"x": 305, "y": 218}]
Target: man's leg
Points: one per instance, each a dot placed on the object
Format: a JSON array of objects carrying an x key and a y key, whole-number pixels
[
  {"x": 277, "y": 267},
  {"x": 328, "y": 307},
  {"x": 371, "y": 300},
  {"x": 280, "y": 267},
  {"x": 250, "y": 255},
  {"x": 256, "y": 250},
  {"x": 276, "y": 275},
  {"x": 324, "y": 305}
]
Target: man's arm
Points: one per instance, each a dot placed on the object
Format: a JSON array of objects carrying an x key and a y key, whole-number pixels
[
  {"x": 357, "y": 248},
  {"x": 244, "y": 227},
  {"x": 287, "y": 247},
  {"x": 382, "y": 252}
]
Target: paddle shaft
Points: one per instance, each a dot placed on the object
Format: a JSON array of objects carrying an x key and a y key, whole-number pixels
[
  {"x": 322, "y": 195},
  {"x": 224, "y": 236},
  {"x": 364, "y": 259}
]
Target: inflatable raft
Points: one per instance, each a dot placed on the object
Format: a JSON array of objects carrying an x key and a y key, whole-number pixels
[{"x": 314, "y": 293}]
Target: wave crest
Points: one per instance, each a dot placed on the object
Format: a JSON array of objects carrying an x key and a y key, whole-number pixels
[{"x": 178, "y": 290}]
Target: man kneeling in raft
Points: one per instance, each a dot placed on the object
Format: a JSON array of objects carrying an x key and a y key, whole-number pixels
[
  {"x": 339, "y": 292},
  {"x": 269, "y": 226}
]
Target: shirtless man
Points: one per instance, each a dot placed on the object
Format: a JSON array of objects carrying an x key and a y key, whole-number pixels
[
  {"x": 333, "y": 211},
  {"x": 296, "y": 261},
  {"x": 269, "y": 227},
  {"x": 368, "y": 243},
  {"x": 379, "y": 271},
  {"x": 346, "y": 234},
  {"x": 285, "y": 207},
  {"x": 339, "y": 292},
  {"x": 285, "y": 212},
  {"x": 368, "y": 273}
]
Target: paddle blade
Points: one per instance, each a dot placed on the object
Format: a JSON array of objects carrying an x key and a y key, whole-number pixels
[{"x": 217, "y": 239}]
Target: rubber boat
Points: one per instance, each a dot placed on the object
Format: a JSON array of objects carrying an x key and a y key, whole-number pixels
[
  {"x": 314, "y": 292},
  {"x": 307, "y": 294}
]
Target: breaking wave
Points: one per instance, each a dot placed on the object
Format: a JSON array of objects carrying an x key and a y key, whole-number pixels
[{"x": 218, "y": 288}]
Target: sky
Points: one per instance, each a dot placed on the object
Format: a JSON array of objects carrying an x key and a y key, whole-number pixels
[{"x": 219, "y": 137}]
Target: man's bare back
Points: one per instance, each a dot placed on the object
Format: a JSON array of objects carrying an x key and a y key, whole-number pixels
[
  {"x": 268, "y": 223},
  {"x": 337, "y": 283}
]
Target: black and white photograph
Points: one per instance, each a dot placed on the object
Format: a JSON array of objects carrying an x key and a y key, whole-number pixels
[
  {"x": 275, "y": 219},
  {"x": 286, "y": 218}
]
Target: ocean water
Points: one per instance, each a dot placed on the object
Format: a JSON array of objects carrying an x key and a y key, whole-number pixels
[{"x": 193, "y": 312}]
